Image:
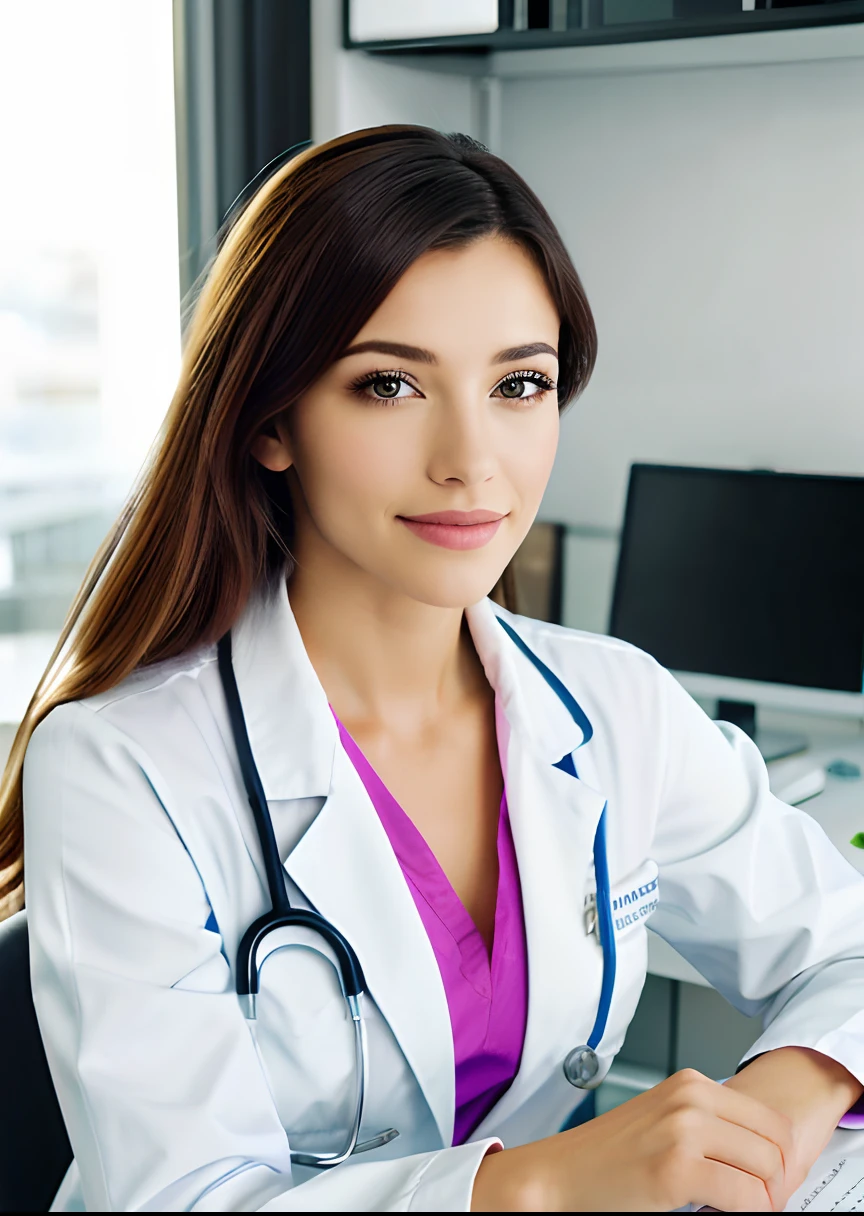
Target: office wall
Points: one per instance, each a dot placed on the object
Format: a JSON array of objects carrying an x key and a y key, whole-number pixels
[{"x": 715, "y": 216}]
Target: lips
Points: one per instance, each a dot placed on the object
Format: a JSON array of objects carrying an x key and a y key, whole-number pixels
[
  {"x": 455, "y": 529},
  {"x": 460, "y": 518}
]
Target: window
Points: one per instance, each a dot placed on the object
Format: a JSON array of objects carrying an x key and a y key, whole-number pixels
[{"x": 89, "y": 290}]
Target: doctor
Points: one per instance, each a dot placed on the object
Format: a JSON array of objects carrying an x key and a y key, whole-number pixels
[{"x": 366, "y": 420}]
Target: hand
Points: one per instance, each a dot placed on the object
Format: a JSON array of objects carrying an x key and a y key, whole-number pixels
[
  {"x": 687, "y": 1140},
  {"x": 810, "y": 1088}
]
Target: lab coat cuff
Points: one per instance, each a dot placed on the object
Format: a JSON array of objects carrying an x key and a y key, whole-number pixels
[
  {"x": 839, "y": 1045},
  {"x": 447, "y": 1183}
]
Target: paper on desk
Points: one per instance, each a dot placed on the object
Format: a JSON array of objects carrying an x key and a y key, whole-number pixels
[{"x": 836, "y": 1181}]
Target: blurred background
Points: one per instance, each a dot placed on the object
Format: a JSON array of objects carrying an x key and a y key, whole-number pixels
[{"x": 704, "y": 161}]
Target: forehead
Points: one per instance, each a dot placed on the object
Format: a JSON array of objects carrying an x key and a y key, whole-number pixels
[{"x": 489, "y": 294}]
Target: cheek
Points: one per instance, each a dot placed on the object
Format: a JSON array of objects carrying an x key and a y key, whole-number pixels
[
  {"x": 531, "y": 454},
  {"x": 358, "y": 464}
]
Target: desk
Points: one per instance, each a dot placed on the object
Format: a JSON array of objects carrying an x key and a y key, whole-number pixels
[{"x": 839, "y": 810}]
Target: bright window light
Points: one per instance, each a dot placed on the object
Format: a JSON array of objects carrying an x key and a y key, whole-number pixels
[{"x": 89, "y": 282}]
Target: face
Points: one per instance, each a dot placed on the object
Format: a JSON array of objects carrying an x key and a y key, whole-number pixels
[{"x": 419, "y": 459}]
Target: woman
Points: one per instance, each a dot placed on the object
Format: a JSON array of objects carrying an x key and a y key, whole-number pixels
[{"x": 366, "y": 421}]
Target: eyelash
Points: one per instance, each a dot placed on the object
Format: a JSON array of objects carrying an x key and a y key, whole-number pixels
[{"x": 545, "y": 385}]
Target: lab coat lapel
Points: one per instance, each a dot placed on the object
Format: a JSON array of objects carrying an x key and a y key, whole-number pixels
[
  {"x": 553, "y": 817},
  {"x": 346, "y": 868},
  {"x": 344, "y": 863}
]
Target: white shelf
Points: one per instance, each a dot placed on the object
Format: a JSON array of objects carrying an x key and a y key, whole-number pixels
[{"x": 775, "y": 696}]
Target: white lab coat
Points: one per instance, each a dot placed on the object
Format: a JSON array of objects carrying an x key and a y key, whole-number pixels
[{"x": 139, "y": 836}]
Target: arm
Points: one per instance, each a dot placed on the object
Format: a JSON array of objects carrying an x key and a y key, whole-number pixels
[
  {"x": 757, "y": 898},
  {"x": 156, "y": 1071}
]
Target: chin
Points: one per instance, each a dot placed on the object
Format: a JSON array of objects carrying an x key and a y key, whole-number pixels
[{"x": 455, "y": 591}]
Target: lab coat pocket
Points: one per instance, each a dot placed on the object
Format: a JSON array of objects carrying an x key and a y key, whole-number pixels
[{"x": 634, "y": 898}]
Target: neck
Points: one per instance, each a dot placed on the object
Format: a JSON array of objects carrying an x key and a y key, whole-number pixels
[{"x": 385, "y": 660}]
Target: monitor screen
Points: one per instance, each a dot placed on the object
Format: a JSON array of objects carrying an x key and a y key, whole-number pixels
[{"x": 756, "y": 575}]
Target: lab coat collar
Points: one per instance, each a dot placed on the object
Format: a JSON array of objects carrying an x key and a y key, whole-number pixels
[
  {"x": 530, "y": 705},
  {"x": 292, "y": 732}
]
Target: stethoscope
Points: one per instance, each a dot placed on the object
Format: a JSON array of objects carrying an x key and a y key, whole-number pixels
[{"x": 581, "y": 1065}]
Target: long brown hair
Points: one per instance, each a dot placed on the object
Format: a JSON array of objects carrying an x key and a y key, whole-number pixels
[{"x": 309, "y": 259}]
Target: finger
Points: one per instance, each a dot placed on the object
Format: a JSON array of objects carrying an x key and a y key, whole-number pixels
[
  {"x": 723, "y": 1188},
  {"x": 748, "y": 1112},
  {"x": 747, "y": 1151}
]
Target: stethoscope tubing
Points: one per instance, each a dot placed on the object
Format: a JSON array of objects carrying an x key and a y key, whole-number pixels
[
  {"x": 607, "y": 932},
  {"x": 282, "y": 914}
]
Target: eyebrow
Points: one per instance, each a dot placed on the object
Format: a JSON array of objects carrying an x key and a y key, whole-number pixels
[{"x": 399, "y": 350}]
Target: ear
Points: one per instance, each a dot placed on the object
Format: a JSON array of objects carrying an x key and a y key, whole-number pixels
[{"x": 272, "y": 448}]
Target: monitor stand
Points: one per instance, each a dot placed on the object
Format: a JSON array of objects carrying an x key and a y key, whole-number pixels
[{"x": 773, "y": 745}]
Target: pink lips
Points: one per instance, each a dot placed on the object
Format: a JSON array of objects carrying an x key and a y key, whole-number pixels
[{"x": 455, "y": 529}]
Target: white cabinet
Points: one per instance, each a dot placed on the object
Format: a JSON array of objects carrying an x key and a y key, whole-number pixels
[{"x": 394, "y": 20}]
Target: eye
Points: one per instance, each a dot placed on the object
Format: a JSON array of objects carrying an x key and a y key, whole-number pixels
[
  {"x": 382, "y": 386},
  {"x": 516, "y": 385}
]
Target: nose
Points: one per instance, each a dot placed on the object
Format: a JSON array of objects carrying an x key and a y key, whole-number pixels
[{"x": 462, "y": 447}]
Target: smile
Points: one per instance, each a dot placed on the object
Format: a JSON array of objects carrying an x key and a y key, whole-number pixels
[{"x": 455, "y": 529}]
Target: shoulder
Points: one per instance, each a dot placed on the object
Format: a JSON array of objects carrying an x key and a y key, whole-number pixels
[
  {"x": 157, "y": 682},
  {"x": 150, "y": 696},
  {"x": 140, "y": 766}
]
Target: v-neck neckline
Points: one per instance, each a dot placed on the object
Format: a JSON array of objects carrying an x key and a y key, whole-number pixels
[{"x": 424, "y": 871}]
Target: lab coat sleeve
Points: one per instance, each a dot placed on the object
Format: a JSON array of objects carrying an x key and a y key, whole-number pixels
[
  {"x": 160, "y": 1085},
  {"x": 753, "y": 893}
]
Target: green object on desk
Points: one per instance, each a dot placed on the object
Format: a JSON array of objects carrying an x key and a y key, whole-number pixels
[{"x": 858, "y": 840}]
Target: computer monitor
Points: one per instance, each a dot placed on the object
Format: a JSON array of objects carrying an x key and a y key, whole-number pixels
[{"x": 749, "y": 585}]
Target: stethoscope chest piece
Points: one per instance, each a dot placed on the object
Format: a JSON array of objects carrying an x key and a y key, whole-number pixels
[{"x": 581, "y": 1066}]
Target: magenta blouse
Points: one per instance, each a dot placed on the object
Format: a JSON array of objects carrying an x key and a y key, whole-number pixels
[{"x": 487, "y": 999}]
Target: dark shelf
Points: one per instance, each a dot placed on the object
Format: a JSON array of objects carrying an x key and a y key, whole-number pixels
[{"x": 796, "y": 16}]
